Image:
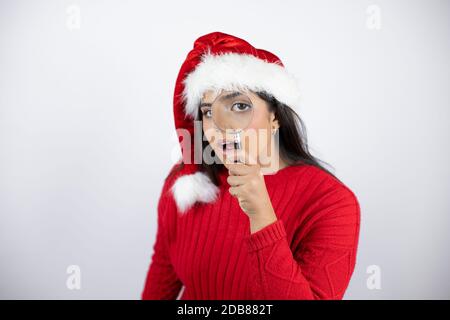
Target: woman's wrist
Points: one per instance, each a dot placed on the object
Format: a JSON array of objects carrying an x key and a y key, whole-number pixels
[{"x": 262, "y": 219}]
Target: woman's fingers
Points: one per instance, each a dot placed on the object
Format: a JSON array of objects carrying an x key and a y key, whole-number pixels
[
  {"x": 238, "y": 169},
  {"x": 235, "y": 191},
  {"x": 236, "y": 180}
]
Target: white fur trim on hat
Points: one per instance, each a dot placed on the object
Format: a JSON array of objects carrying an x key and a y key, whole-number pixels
[
  {"x": 191, "y": 188},
  {"x": 233, "y": 71}
]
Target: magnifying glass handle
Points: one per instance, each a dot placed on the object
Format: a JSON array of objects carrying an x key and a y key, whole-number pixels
[
  {"x": 237, "y": 141},
  {"x": 237, "y": 144}
]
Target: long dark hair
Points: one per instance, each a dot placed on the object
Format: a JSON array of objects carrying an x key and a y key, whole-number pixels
[{"x": 293, "y": 143}]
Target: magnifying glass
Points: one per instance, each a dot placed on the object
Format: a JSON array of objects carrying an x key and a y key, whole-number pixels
[{"x": 232, "y": 112}]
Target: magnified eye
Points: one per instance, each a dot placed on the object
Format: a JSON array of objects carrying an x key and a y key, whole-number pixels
[
  {"x": 240, "y": 107},
  {"x": 206, "y": 113}
]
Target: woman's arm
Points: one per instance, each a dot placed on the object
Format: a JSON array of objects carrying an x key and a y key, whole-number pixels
[
  {"x": 319, "y": 266},
  {"x": 161, "y": 282}
]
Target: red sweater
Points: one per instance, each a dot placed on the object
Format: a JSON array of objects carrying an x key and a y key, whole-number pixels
[{"x": 308, "y": 253}]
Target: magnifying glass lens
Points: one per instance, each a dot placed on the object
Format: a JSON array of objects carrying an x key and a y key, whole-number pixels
[{"x": 232, "y": 111}]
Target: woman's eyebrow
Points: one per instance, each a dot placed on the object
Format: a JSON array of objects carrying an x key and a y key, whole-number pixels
[
  {"x": 205, "y": 104},
  {"x": 225, "y": 97},
  {"x": 231, "y": 95}
]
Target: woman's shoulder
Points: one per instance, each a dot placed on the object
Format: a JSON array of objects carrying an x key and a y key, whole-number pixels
[{"x": 323, "y": 185}]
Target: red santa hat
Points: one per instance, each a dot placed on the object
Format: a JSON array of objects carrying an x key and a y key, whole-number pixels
[{"x": 220, "y": 61}]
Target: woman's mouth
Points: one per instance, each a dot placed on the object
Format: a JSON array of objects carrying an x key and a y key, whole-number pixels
[
  {"x": 228, "y": 150},
  {"x": 226, "y": 146}
]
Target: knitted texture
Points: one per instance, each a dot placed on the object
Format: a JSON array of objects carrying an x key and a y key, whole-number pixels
[{"x": 308, "y": 253}]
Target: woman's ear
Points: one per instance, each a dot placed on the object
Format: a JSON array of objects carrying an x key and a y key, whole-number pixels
[{"x": 274, "y": 124}]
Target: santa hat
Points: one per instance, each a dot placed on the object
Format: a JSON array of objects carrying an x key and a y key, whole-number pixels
[{"x": 220, "y": 61}]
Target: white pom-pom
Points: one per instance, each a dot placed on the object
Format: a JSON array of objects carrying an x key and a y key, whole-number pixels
[{"x": 191, "y": 188}]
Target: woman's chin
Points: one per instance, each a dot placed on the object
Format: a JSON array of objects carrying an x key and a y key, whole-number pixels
[
  {"x": 227, "y": 157},
  {"x": 231, "y": 156}
]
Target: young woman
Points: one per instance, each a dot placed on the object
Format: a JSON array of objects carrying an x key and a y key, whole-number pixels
[{"x": 263, "y": 221}]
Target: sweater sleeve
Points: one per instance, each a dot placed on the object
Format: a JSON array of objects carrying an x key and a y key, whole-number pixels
[
  {"x": 161, "y": 282},
  {"x": 319, "y": 265}
]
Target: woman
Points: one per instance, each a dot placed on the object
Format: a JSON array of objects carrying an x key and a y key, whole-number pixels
[{"x": 239, "y": 227}]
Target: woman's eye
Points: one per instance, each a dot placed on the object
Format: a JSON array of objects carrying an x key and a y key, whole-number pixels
[
  {"x": 240, "y": 107},
  {"x": 206, "y": 113}
]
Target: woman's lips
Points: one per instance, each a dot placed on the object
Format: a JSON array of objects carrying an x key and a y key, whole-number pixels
[{"x": 226, "y": 146}]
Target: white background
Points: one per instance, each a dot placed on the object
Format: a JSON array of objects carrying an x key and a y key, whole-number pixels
[{"x": 87, "y": 133}]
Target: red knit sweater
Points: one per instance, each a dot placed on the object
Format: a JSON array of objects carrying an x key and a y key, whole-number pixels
[{"x": 308, "y": 253}]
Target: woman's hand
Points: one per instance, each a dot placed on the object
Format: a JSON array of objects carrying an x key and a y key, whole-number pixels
[{"x": 248, "y": 186}]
